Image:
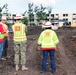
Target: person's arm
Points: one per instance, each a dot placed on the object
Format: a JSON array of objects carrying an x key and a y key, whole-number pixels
[
  {"x": 40, "y": 41},
  {"x": 55, "y": 38},
  {"x": 1, "y": 29}
]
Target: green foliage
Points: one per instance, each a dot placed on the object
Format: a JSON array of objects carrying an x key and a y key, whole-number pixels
[
  {"x": 1, "y": 8},
  {"x": 31, "y": 17},
  {"x": 49, "y": 8},
  {"x": 40, "y": 12},
  {"x": 25, "y": 20},
  {"x": 30, "y": 11},
  {"x": 30, "y": 8},
  {"x": 8, "y": 24}
]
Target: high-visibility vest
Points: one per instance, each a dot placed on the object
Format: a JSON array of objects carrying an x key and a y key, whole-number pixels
[
  {"x": 5, "y": 27},
  {"x": 48, "y": 39},
  {"x": 6, "y": 30},
  {"x": 19, "y": 32},
  {"x": 1, "y": 35}
]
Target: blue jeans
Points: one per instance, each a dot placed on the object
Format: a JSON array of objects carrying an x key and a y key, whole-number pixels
[
  {"x": 1, "y": 49},
  {"x": 52, "y": 60},
  {"x": 5, "y": 46}
]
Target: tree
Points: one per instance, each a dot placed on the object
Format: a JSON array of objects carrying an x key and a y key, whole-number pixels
[
  {"x": 30, "y": 11},
  {"x": 40, "y": 12},
  {"x": 30, "y": 8},
  {"x": 49, "y": 8},
  {"x": 25, "y": 20},
  {"x": 1, "y": 8}
]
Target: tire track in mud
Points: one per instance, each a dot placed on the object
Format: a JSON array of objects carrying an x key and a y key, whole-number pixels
[{"x": 66, "y": 62}]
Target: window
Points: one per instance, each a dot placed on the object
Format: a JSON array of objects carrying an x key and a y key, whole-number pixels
[
  {"x": 74, "y": 14},
  {"x": 52, "y": 15},
  {"x": 56, "y": 19},
  {"x": 66, "y": 19},
  {"x": 74, "y": 18},
  {"x": 66, "y": 14},
  {"x": 14, "y": 14},
  {"x": 47, "y": 14},
  {"x": 31, "y": 20},
  {"x": 63, "y": 14},
  {"x": 63, "y": 19},
  {"x": 7, "y": 15},
  {"x": 63, "y": 23},
  {"x": 56, "y": 14},
  {"x": 23, "y": 14},
  {"x": 52, "y": 19}
]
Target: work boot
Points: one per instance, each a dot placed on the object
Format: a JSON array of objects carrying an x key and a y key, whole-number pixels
[
  {"x": 24, "y": 68},
  {"x": 17, "y": 67}
]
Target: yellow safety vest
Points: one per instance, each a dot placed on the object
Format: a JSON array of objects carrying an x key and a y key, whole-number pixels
[
  {"x": 48, "y": 39},
  {"x": 19, "y": 32}
]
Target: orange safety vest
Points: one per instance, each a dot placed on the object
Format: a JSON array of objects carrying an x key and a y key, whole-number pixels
[
  {"x": 19, "y": 32},
  {"x": 5, "y": 30}
]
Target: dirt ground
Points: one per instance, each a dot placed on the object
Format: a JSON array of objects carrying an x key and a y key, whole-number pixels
[{"x": 65, "y": 54}]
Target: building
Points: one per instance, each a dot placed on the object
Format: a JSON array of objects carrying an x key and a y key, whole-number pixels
[{"x": 61, "y": 18}]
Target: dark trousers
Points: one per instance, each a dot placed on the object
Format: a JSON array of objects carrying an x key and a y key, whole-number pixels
[
  {"x": 5, "y": 46},
  {"x": 52, "y": 60}
]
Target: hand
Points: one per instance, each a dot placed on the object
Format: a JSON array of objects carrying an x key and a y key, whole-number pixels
[
  {"x": 39, "y": 47},
  {"x": 57, "y": 48}
]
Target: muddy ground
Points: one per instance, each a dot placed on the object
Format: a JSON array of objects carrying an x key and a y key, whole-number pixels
[{"x": 65, "y": 55}]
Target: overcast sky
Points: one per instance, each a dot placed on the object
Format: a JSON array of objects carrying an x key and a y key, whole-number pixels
[{"x": 59, "y": 6}]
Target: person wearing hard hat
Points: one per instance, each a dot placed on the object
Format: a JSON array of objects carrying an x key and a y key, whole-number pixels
[
  {"x": 6, "y": 37},
  {"x": 1, "y": 40},
  {"x": 20, "y": 40},
  {"x": 47, "y": 42}
]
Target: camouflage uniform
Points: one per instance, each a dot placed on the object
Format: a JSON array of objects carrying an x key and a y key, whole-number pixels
[{"x": 20, "y": 50}]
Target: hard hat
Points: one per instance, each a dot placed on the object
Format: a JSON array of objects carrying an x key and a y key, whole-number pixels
[
  {"x": 3, "y": 18},
  {"x": 47, "y": 24},
  {"x": 18, "y": 16}
]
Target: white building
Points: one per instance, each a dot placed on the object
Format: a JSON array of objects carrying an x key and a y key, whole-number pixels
[{"x": 60, "y": 18}]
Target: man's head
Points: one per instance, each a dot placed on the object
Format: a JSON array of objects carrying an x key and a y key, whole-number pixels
[
  {"x": 3, "y": 19},
  {"x": 18, "y": 18},
  {"x": 47, "y": 25}
]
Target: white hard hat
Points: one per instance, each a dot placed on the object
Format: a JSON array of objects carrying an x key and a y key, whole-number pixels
[
  {"x": 18, "y": 16},
  {"x": 3, "y": 18},
  {"x": 47, "y": 24}
]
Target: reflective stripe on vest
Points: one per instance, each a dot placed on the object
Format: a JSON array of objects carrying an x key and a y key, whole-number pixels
[{"x": 19, "y": 32}]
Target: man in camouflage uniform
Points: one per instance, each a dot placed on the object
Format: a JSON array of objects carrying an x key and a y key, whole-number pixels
[{"x": 20, "y": 40}]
